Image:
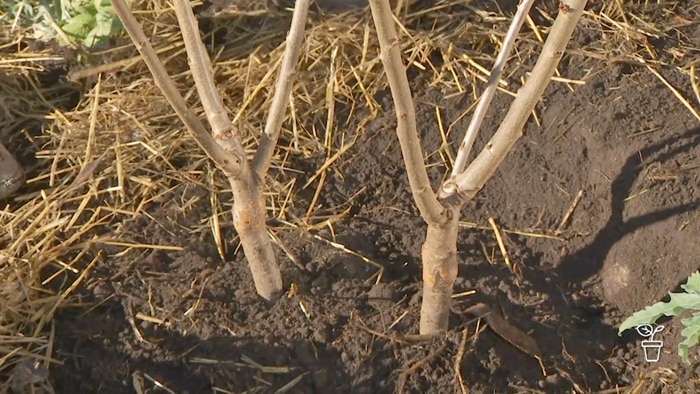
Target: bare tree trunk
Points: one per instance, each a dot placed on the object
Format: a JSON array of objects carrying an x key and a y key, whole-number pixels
[
  {"x": 249, "y": 221},
  {"x": 441, "y": 210},
  {"x": 439, "y": 254},
  {"x": 225, "y": 147}
]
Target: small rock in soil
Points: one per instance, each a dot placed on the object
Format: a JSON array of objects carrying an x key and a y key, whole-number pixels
[
  {"x": 305, "y": 353},
  {"x": 381, "y": 296},
  {"x": 322, "y": 333},
  {"x": 320, "y": 285},
  {"x": 616, "y": 281}
]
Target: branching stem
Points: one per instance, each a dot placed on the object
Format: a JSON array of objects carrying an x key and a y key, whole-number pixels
[
  {"x": 227, "y": 161},
  {"x": 485, "y": 101},
  {"x": 430, "y": 208},
  {"x": 441, "y": 212},
  {"x": 222, "y": 129},
  {"x": 465, "y": 185},
  {"x": 283, "y": 89},
  {"x": 225, "y": 148}
]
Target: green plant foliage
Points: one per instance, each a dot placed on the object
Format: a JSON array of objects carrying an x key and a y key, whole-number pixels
[
  {"x": 93, "y": 23},
  {"x": 679, "y": 303},
  {"x": 90, "y": 22}
]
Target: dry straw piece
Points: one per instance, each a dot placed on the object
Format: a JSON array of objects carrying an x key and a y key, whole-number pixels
[{"x": 94, "y": 166}]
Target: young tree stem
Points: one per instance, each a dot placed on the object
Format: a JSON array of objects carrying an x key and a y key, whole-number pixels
[
  {"x": 465, "y": 186},
  {"x": 249, "y": 221},
  {"x": 430, "y": 208},
  {"x": 482, "y": 107},
  {"x": 440, "y": 268},
  {"x": 225, "y": 148},
  {"x": 228, "y": 162},
  {"x": 248, "y": 200},
  {"x": 223, "y": 130},
  {"x": 439, "y": 252},
  {"x": 283, "y": 89}
]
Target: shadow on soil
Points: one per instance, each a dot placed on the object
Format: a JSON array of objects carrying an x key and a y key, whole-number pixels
[
  {"x": 99, "y": 360},
  {"x": 588, "y": 261}
]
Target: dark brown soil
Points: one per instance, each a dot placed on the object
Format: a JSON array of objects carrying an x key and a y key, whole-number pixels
[{"x": 623, "y": 139}]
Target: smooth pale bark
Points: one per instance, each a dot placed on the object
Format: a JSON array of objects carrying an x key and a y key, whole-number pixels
[
  {"x": 430, "y": 208},
  {"x": 249, "y": 221},
  {"x": 224, "y": 147},
  {"x": 283, "y": 89},
  {"x": 248, "y": 200},
  {"x": 439, "y": 254},
  {"x": 463, "y": 187},
  {"x": 485, "y": 100}
]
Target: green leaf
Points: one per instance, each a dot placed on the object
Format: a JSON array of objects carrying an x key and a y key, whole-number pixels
[
  {"x": 103, "y": 6},
  {"x": 648, "y": 315},
  {"x": 97, "y": 36},
  {"x": 684, "y": 301},
  {"x": 106, "y": 26},
  {"x": 79, "y": 26},
  {"x": 693, "y": 283},
  {"x": 679, "y": 302},
  {"x": 691, "y": 333}
]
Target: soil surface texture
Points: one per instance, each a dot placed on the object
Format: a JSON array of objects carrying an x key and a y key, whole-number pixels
[{"x": 621, "y": 150}]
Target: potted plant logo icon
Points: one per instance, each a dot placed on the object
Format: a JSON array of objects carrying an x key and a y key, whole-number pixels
[{"x": 652, "y": 348}]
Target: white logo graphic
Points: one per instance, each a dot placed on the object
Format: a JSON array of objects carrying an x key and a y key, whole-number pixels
[{"x": 652, "y": 347}]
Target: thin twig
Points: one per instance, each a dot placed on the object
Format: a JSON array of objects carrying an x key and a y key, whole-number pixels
[
  {"x": 200, "y": 64},
  {"x": 230, "y": 165},
  {"x": 458, "y": 360},
  {"x": 464, "y": 187},
  {"x": 501, "y": 244},
  {"x": 686, "y": 103},
  {"x": 283, "y": 89},
  {"x": 485, "y": 102},
  {"x": 416, "y": 366},
  {"x": 430, "y": 208},
  {"x": 569, "y": 212}
]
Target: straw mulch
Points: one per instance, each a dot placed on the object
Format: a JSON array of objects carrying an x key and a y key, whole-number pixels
[{"x": 101, "y": 148}]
